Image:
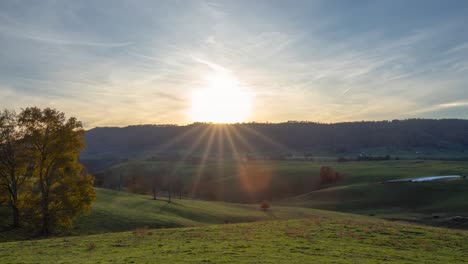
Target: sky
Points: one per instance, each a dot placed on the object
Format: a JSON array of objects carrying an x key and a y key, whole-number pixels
[{"x": 118, "y": 63}]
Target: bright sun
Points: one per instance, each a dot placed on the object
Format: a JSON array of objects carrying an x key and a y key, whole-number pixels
[{"x": 222, "y": 100}]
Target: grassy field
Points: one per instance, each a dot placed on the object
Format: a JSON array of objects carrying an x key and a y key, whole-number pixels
[
  {"x": 433, "y": 203},
  {"x": 257, "y": 180},
  {"x": 360, "y": 191},
  {"x": 324, "y": 238},
  {"x": 119, "y": 211},
  {"x": 300, "y": 171},
  {"x": 293, "y": 230}
]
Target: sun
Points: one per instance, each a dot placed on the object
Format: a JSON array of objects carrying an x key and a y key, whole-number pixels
[{"x": 222, "y": 100}]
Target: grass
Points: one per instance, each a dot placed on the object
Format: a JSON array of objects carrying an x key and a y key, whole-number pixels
[
  {"x": 323, "y": 238},
  {"x": 355, "y": 171},
  {"x": 418, "y": 202},
  {"x": 119, "y": 211},
  {"x": 360, "y": 190},
  {"x": 288, "y": 178},
  {"x": 430, "y": 197}
]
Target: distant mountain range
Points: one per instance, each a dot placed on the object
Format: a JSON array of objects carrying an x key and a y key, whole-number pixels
[{"x": 306, "y": 138}]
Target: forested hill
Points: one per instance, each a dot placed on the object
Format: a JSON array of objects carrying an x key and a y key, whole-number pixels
[{"x": 290, "y": 137}]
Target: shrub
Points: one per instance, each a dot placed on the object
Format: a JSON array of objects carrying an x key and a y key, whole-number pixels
[
  {"x": 264, "y": 205},
  {"x": 328, "y": 175}
]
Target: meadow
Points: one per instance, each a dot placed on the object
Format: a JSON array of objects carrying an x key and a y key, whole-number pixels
[
  {"x": 360, "y": 190},
  {"x": 115, "y": 211},
  {"x": 124, "y": 227},
  {"x": 295, "y": 172},
  {"x": 323, "y": 238}
]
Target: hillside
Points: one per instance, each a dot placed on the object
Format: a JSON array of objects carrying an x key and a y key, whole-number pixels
[
  {"x": 318, "y": 239},
  {"x": 119, "y": 211},
  {"x": 254, "y": 181},
  {"x": 426, "y": 136},
  {"x": 432, "y": 203},
  {"x": 360, "y": 190}
]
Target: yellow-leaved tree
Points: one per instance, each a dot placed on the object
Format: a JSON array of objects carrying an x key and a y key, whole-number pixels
[
  {"x": 59, "y": 189},
  {"x": 15, "y": 164}
]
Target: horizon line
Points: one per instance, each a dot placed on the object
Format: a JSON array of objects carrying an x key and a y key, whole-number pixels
[{"x": 280, "y": 122}]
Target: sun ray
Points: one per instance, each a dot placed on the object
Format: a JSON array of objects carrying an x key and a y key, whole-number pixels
[
  {"x": 193, "y": 146},
  {"x": 201, "y": 166},
  {"x": 241, "y": 138},
  {"x": 192, "y": 130},
  {"x": 174, "y": 167},
  {"x": 243, "y": 177},
  {"x": 232, "y": 145},
  {"x": 265, "y": 138},
  {"x": 220, "y": 160}
]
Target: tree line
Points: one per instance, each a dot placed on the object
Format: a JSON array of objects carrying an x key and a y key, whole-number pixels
[
  {"x": 41, "y": 179},
  {"x": 290, "y": 137},
  {"x": 157, "y": 182}
]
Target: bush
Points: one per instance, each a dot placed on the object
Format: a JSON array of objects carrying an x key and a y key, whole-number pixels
[
  {"x": 328, "y": 175},
  {"x": 264, "y": 205}
]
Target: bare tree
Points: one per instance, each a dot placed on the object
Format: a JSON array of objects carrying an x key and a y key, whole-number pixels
[
  {"x": 178, "y": 184},
  {"x": 156, "y": 183},
  {"x": 169, "y": 191}
]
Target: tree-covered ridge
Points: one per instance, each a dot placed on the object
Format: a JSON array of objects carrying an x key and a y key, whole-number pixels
[{"x": 450, "y": 134}]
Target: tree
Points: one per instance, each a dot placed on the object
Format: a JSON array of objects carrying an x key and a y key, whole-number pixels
[
  {"x": 328, "y": 175},
  {"x": 15, "y": 164},
  {"x": 62, "y": 190},
  {"x": 169, "y": 173},
  {"x": 157, "y": 181},
  {"x": 264, "y": 205},
  {"x": 179, "y": 186}
]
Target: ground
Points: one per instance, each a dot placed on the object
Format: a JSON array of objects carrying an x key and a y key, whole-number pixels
[
  {"x": 131, "y": 228},
  {"x": 332, "y": 238},
  {"x": 115, "y": 211}
]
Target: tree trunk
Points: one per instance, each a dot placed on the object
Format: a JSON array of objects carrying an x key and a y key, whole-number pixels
[
  {"x": 169, "y": 194},
  {"x": 45, "y": 230},
  {"x": 16, "y": 216},
  {"x": 120, "y": 182},
  {"x": 154, "y": 193},
  {"x": 14, "y": 204}
]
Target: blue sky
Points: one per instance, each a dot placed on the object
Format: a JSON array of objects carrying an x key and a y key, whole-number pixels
[{"x": 116, "y": 63}]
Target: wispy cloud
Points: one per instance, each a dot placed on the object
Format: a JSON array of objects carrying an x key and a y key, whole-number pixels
[
  {"x": 120, "y": 63},
  {"x": 442, "y": 106}
]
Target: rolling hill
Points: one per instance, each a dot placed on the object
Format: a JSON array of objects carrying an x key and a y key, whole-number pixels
[
  {"x": 254, "y": 181},
  {"x": 120, "y": 211},
  {"x": 323, "y": 238}
]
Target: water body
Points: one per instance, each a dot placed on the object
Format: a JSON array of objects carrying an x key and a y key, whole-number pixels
[{"x": 427, "y": 179}]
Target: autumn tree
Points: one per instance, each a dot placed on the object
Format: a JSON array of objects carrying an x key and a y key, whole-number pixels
[
  {"x": 264, "y": 205},
  {"x": 15, "y": 164},
  {"x": 328, "y": 175},
  {"x": 62, "y": 190}
]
